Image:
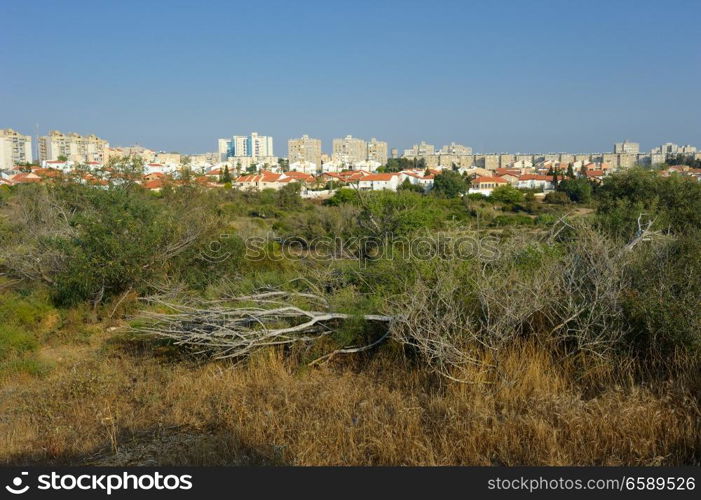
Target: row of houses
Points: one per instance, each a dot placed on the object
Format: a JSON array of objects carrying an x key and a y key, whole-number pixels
[{"x": 481, "y": 181}]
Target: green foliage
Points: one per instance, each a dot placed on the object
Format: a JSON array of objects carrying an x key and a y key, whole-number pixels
[
  {"x": 512, "y": 220},
  {"x": 449, "y": 184},
  {"x": 343, "y": 195},
  {"x": 662, "y": 305},
  {"x": 397, "y": 165},
  {"x": 577, "y": 190},
  {"x": 225, "y": 177},
  {"x": 476, "y": 197},
  {"x": 673, "y": 203},
  {"x": 288, "y": 196},
  {"x": 506, "y": 194},
  {"x": 408, "y": 186},
  {"x": 557, "y": 198},
  {"x": 15, "y": 340}
]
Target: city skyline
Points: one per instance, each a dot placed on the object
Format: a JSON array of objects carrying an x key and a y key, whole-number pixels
[{"x": 508, "y": 76}]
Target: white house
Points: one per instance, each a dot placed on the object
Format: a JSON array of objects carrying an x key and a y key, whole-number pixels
[
  {"x": 535, "y": 181},
  {"x": 152, "y": 168},
  {"x": 369, "y": 165},
  {"x": 331, "y": 167},
  {"x": 64, "y": 166},
  {"x": 484, "y": 185},
  {"x": 306, "y": 167},
  {"x": 380, "y": 182},
  {"x": 417, "y": 177}
]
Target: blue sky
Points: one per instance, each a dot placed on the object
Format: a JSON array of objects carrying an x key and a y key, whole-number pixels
[{"x": 524, "y": 76}]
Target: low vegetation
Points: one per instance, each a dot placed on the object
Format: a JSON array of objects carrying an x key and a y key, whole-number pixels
[{"x": 455, "y": 330}]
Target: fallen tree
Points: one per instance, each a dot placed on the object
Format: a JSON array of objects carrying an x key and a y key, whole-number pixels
[{"x": 236, "y": 326}]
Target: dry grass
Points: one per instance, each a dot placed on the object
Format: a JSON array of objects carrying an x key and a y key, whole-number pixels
[{"x": 111, "y": 405}]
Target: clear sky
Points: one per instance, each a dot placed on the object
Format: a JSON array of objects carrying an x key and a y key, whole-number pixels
[{"x": 516, "y": 76}]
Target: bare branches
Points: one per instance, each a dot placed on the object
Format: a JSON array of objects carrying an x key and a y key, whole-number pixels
[
  {"x": 34, "y": 252},
  {"x": 238, "y": 326},
  {"x": 643, "y": 233}
]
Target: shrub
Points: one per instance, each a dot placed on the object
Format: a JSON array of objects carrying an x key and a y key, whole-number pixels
[
  {"x": 449, "y": 184},
  {"x": 15, "y": 340},
  {"x": 506, "y": 194},
  {"x": 577, "y": 190},
  {"x": 673, "y": 203},
  {"x": 557, "y": 198}
]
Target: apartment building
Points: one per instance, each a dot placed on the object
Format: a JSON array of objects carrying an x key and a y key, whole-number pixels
[
  {"x": 246, "y": 146},
  {"x": 419, "y": 150},
  {"x": 349, "y": 150},
  {"x": 167, "y": 158},
  {"x": 14, "y": 148},
  {"x": 74, "y": 147},
  {"x": 456, "y": 149},
  {"x": 377, "y": 151},
  {"x": 626, "y": 147},
  {"x": 669, "y": 148},
  {"x": 304, "y": 149}
]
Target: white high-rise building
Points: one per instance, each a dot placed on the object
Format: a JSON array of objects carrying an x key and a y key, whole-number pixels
[
  {"x": 244, "y": 146},
  {"x": 14, "y": 148}
]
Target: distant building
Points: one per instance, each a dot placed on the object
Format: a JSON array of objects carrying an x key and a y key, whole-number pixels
[
  {"x": 167, "y": 158},
  {"x": 626, "y": 147},
  {"x": 245, "y": 146},
  {"x": 72, "y": 146},
  {"x": 418, "y": 150},
  {"x": 304, "y": 149},
  {"x": 349, "y": 150},
  {"x": 14, "y": 148},
  {"x": 669, "y": 148},
  {"x": 146, "y": 154},
  {"x": 377, "y": 151},
  {"x": 456, "y": 149}
]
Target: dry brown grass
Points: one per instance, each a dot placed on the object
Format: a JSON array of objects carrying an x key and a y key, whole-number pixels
[{"x": 112, "y": 405}]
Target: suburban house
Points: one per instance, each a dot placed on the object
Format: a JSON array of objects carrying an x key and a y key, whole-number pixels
[
  {"x": 535, "y": 181},
  {"x": 417, "y": 178},
  {"x": 379, "y": 182},
  {"x": 485, "y": 185}
]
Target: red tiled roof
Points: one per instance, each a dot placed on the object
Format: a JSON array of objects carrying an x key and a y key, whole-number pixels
[
  {"x": 534, "y": 177},
  {"x": 480, "y": 180},
  {"x": 154, "y": 184},
  {"x": 301, "y": 176},
  {"x": 379, "y": 177},
  {"x": 25, "y": 178}
]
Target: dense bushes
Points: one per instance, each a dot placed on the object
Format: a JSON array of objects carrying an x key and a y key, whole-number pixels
[
  {"x": 91, "y": 244},
  {"x": 577, "y": 190},
  {"x": 673, "y": 203}
]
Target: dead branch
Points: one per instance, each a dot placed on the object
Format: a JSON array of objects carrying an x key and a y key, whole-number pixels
[{"x": 238, "y": 326}]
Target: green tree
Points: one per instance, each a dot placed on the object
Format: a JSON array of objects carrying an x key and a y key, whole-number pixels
[
  {"x": 408, "y": 186},
  {"x": 506, "y": 194},
  {"x": 225, "y": 177},
  {"x": 288, "y": 196},
  {"x": 449, "y": 184},
  {"x": 578, "y": 190},
  {"x": 570, "y": 171}
]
